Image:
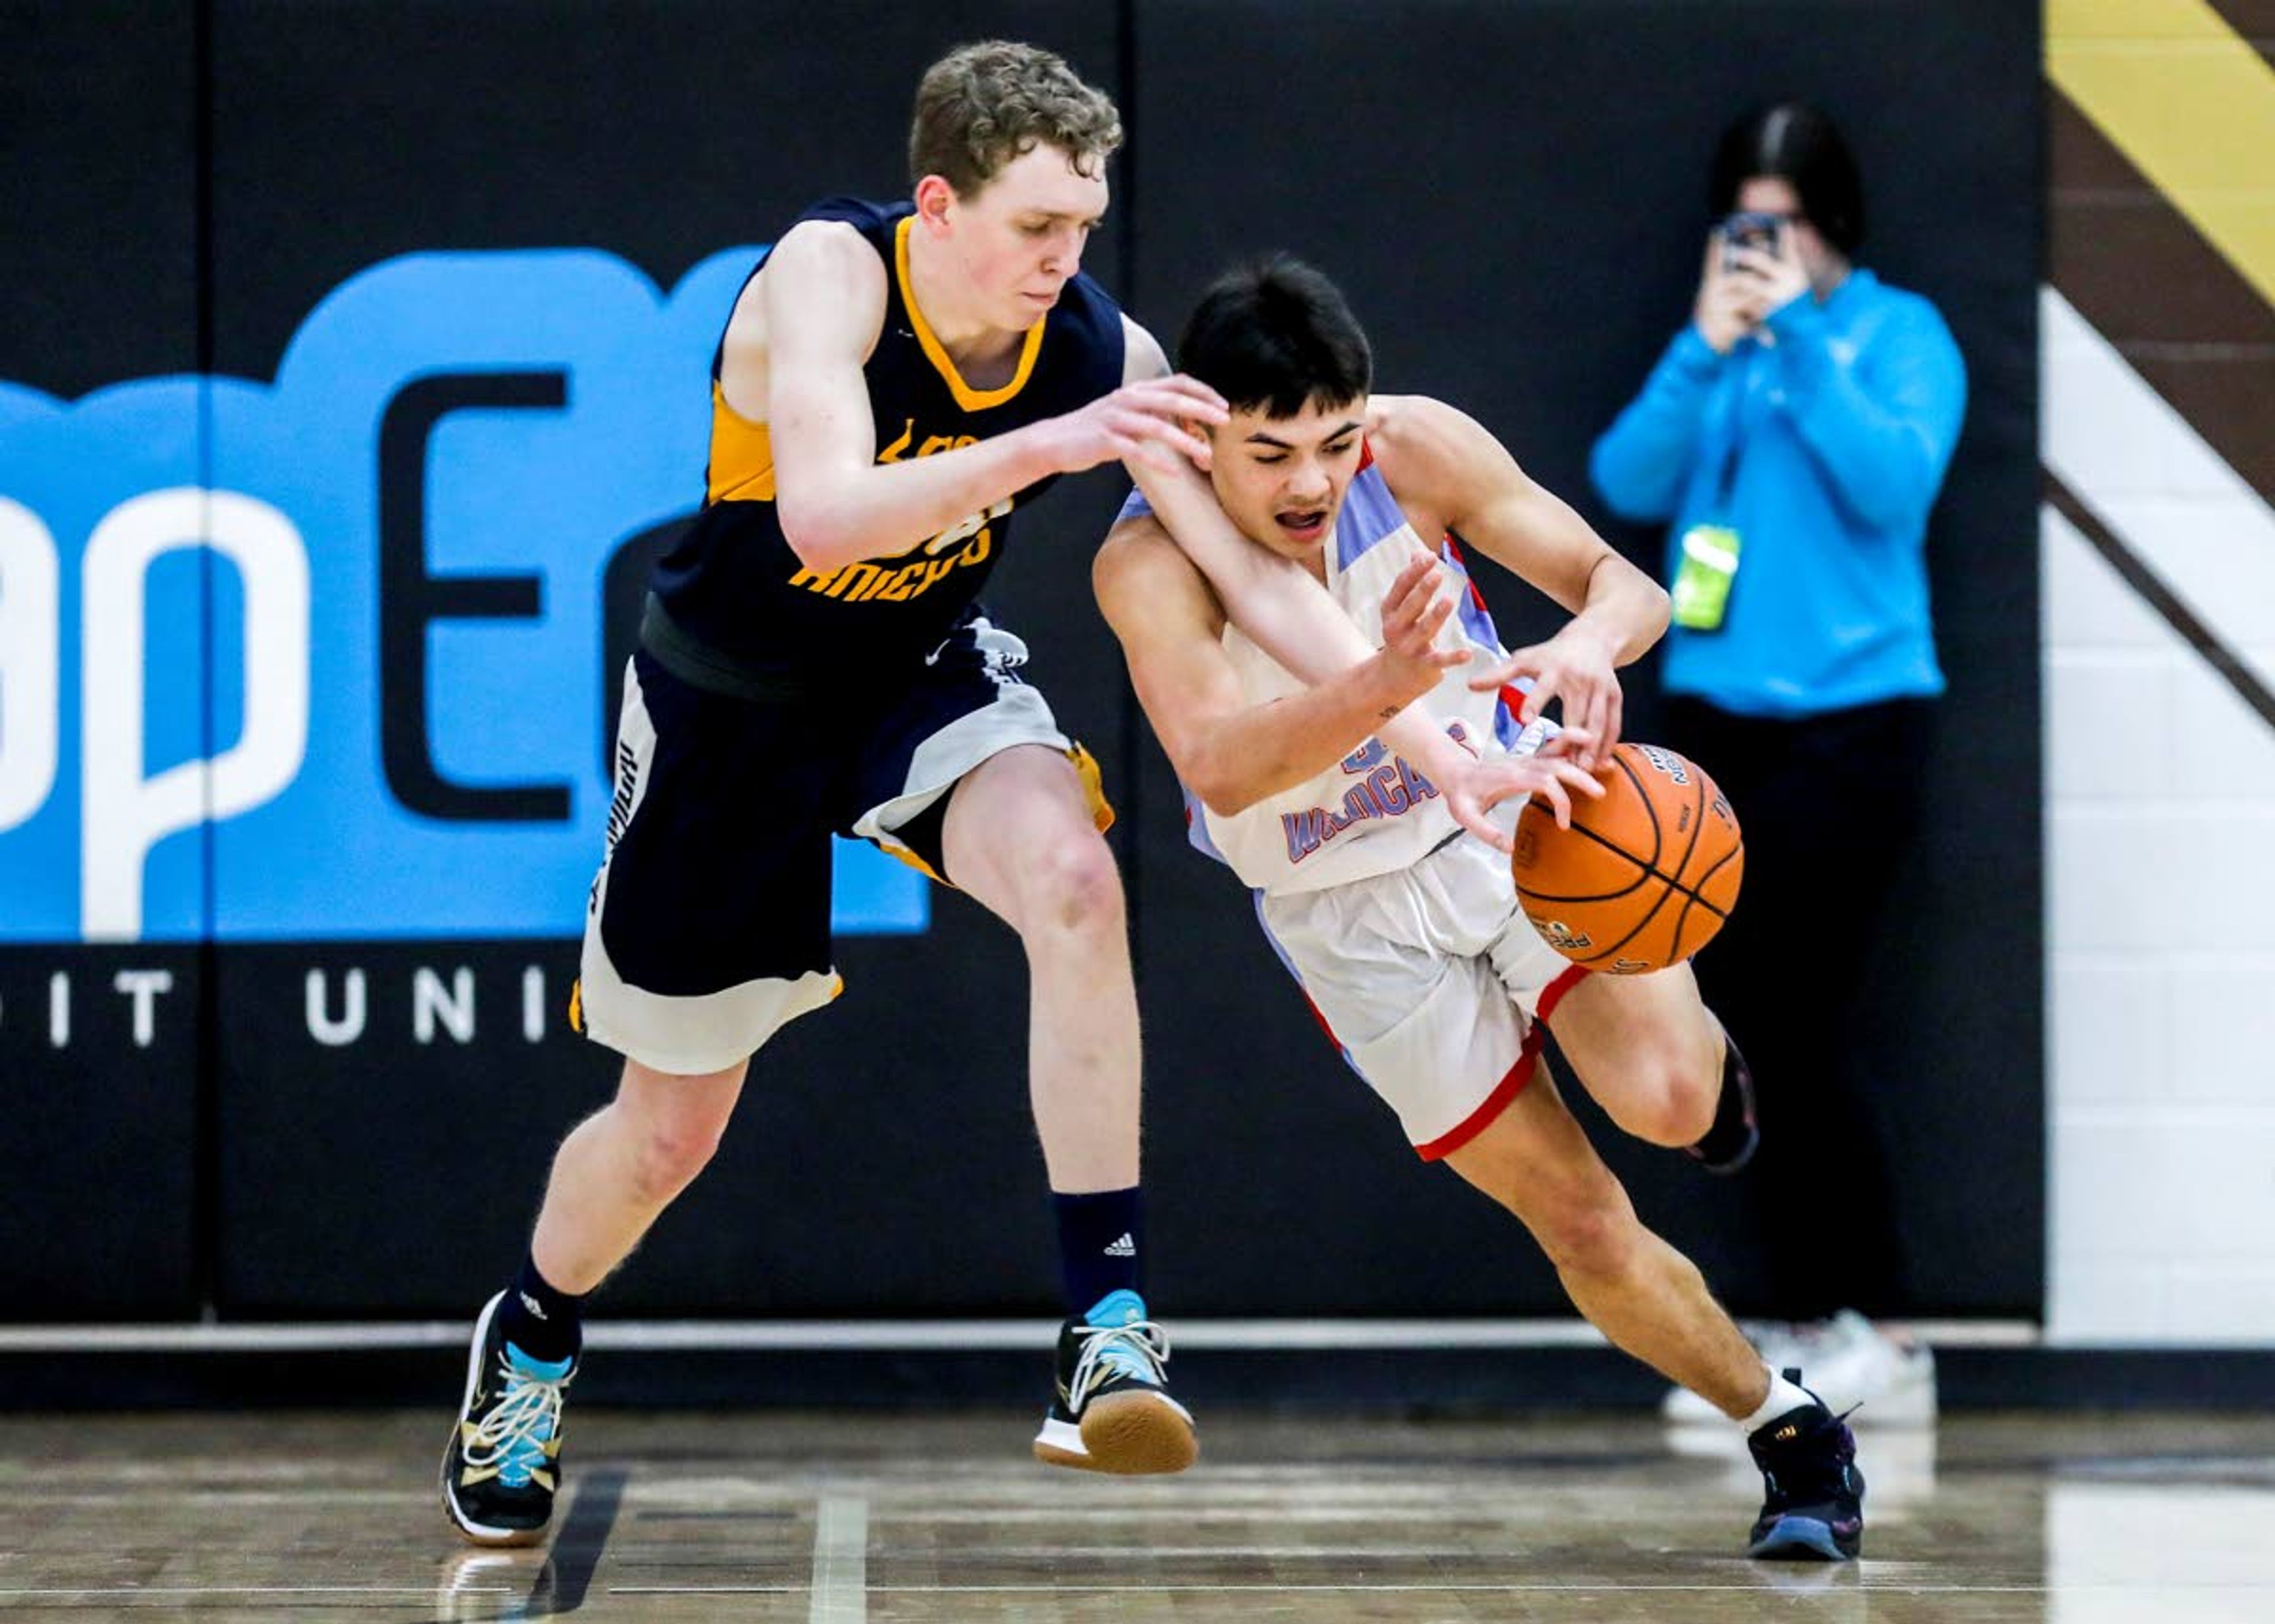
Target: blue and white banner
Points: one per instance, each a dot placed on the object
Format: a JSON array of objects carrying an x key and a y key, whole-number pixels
[{"x": 324, "y": 658}]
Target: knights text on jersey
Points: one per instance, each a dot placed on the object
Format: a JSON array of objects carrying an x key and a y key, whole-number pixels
[{"x": 731, "y": 599}]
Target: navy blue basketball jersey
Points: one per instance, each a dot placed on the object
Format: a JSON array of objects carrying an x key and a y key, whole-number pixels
[{"x": 731, "y": 606}]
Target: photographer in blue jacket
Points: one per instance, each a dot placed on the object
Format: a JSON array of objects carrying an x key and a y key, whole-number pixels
[{"x": 1793, "y": 438}]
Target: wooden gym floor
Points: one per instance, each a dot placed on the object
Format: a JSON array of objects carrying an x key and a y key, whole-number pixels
[{"x": 838, "y": 1519}]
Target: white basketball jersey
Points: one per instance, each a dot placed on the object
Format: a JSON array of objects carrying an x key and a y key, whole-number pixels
[{"x": 1373, "y": 812}]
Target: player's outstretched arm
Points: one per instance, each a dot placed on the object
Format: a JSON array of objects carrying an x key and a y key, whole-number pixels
[
  {"x": 798, "y": 340},
  {"x": 1271, "y": 599},
  {"x": 1234, "y": 754},
  {"x": 1291, "y": 617},
  {"x": 1445, "y": 463}
]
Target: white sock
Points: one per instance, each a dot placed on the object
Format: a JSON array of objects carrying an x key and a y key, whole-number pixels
[{"x": 1782, "y": 1397}]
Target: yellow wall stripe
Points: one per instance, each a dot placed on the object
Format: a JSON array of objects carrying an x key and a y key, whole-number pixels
[{"x": 2189, "y": 103}]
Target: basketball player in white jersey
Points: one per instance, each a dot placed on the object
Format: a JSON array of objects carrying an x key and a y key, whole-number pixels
[{"x": 1402, "y": 928}]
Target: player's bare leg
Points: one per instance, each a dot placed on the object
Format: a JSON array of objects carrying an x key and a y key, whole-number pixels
[
  {"x": 622, "y": 1166},
  {"x": 1646, "y": 1049},
  {"x": 1646, "y": 1297},
  {"x": 1019, "y": 838},
  {"x": 1653, "y": 1054},
  {"x": 501, "y": 1470}
]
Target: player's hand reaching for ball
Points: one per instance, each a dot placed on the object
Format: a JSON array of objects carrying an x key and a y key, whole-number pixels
[
  {"x": 1574, "y": 667},
  {"x": 1414, "y": 609},
  {"x": 1473, "y": 787},
  {"x": 1151, "y": 422}
]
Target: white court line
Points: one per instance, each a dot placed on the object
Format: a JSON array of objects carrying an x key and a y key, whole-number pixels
[
  {"x": 840, "y": 1560},
  {"x": 256, "y": 1590},
  {"x": 1609, "y": 1587}
]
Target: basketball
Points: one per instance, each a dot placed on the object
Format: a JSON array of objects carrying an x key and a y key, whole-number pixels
[{"x": 1645, "y": 876}]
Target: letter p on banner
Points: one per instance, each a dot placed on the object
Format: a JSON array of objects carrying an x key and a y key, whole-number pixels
[{"x": 124, "y": 812}]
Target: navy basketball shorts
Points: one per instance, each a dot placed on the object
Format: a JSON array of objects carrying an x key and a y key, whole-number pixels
[{"x": 708, "y": 927}]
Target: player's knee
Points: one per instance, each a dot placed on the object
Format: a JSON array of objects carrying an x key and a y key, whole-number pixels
[
  {"x": 673, "y": 1149},
  {"x": 1589, "y": 1229},
  {"x": 1072, "y": 884},
  {"x": 1670, "y": 1095},
  {"x": 1588, "y": 1233}
]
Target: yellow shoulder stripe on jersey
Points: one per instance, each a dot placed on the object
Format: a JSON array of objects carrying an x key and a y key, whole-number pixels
[
  {"x": 742, "y": 454},
  {"x": 966, "y": 397}
]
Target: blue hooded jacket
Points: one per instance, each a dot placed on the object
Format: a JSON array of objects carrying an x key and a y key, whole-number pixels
[{"x": 1824, "y": 450}]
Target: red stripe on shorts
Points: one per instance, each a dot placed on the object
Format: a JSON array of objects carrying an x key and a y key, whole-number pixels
[{"x": 1510, "y": 1086}]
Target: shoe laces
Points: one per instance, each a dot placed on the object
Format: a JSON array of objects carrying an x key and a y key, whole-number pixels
[
  {"x": 513, "y": 1432},
  {"x": 1812, "y": 1466},
  {"x": 1132, "y": 1352}
]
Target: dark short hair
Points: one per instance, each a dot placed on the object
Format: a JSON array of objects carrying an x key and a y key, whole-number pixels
[
  {"x": 985, "y": 104},
  {"x": 1277, "y": 334},
  {"x": 1796, "y": 143}
]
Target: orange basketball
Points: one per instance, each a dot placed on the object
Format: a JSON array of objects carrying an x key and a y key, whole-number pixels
[{"x": 1645, "y": 876}]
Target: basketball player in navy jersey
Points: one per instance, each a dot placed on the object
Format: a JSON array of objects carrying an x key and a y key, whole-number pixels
[
  {"x": 1402, "y": 928},
  {"x": 895, "y": 383}
]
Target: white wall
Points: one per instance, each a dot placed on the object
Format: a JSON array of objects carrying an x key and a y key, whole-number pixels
[{"x": 2160, "y": 851}]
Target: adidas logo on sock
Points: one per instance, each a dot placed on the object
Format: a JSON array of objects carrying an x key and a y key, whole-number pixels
[
  {"x": 530, "y": 1304},
  {"x": 1125, "y": 1247}
]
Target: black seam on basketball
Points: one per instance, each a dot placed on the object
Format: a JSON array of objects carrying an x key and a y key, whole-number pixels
[
  {"x": 1649, "y": 865},
  {"x": 1682, "y": 924},
  {"x": 1640, "y": 925},
  {"x": 1650, "y": 807},
  {"x": 1674, "y": 884},
  {"x": 1670, "y": 886},
  {"x": 1593, "y": 897},
  {"x": 1720, "y": 863},
  {"x": 1697, "y": 814}
]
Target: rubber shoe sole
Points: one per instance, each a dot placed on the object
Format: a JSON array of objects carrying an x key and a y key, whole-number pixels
[
  {"x": 1123, "y": 1434},
  {"x": 1802, "y": 1539}
]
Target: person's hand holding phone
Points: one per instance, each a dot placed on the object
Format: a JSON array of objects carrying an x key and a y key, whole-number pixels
[
  {"x": 1752, "y": 267},
  {"x": 1728, "y": 304},
  {"x": 1761, "y": 248}
]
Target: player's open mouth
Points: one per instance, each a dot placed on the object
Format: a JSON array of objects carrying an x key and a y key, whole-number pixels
[{"x": 1304, "y": 526}]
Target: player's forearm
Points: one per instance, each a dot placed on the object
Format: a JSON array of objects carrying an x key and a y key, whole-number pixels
[
  {"x": 1254, "y": 754},
  {"x": 1291, "y": 617},
  {"x": 1287, "y": 613},
  {"x": 1274, "y": 600},
  {"x": 1625, "y": 607},
  {"x": 906, "y": 498}
]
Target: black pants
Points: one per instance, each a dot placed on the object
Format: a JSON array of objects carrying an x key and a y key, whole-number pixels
[{"x": 1827, "y": 805}]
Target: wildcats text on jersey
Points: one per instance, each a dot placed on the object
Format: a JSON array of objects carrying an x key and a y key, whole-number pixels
[{"x": 1388, "y": 790}]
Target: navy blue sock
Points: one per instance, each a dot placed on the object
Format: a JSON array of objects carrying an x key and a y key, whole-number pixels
[
  {"x": 543, "y": 1322},
  {"x": 1100, "y": 1236}
]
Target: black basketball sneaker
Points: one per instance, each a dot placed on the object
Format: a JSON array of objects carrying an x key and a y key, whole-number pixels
[
  {"x": 1113, "y": 1412},
  {"x": 502, "y": 1468},
  {"x": 1813, "y": 1504}
]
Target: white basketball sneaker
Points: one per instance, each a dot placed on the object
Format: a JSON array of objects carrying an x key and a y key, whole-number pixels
[{"x": 1850, "y": 1362}]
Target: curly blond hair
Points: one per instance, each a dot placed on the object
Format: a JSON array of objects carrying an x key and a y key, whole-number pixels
[{"x": 985, "y": 104}]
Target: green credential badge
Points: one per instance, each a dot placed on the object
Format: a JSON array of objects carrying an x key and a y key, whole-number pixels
[{"x": 1708, "y": 565}]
